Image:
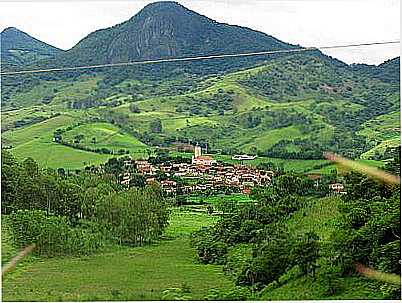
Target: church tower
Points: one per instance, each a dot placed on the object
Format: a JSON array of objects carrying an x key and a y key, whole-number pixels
[{"x": 197, "y": 151}]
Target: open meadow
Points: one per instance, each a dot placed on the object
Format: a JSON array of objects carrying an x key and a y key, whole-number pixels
[{"x": 140, "y": 273}]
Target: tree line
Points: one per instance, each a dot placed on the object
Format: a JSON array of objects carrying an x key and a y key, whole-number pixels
[{"x": 77, "y": 213}]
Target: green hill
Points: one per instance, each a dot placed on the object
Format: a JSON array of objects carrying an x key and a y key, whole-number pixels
[
  {"x": 293, "y": 107},
  {"x": 19, "y": 48},
  {"x": 290, "y": 106}
]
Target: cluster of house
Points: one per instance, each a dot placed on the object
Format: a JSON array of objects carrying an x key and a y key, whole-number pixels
[{"x": 204, "y": 172}]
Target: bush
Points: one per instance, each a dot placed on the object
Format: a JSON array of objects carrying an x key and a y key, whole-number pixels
[
  {"x": 53, "y": 235},
  {"x": 209, "y": 248},
  {"x": 235, "y": 294},
  {"x": 134, "y": 217}
]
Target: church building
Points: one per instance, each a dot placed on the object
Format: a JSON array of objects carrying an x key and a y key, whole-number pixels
[{"x": 199, "y": 159}]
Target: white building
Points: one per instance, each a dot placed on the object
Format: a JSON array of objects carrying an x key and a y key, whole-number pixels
[{"x": 199, "y": 159}]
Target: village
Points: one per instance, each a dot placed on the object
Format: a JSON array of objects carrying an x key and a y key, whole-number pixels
[{"x": 203, "y": 173}]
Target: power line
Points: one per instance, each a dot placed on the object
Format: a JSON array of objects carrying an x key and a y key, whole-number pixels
[{"x": 219, "y": 56}]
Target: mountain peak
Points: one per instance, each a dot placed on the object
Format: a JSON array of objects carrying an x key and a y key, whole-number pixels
[
  {"x": 164, "y": 10},
  {"x": 10, "y": 29},
  {"x": 18, "y": 47},
  {"x": 163, "y": 4},
  {"x": 167, "y": 29}
]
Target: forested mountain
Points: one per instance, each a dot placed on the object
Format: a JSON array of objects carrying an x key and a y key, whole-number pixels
[
  {"x": 19, "y": 48},
  {"x": 164, "y": 30},
  {"x": 388, "y": 71}
]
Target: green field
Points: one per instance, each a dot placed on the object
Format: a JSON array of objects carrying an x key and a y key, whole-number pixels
[
  {"x": 217, "y": 199},
  {"x": 140, "y": 273},
  {"x": 384, "y": 131},
  {"x": 36, "y": 141},
  {"x": 105, "y": 135},
  {"x": 266, "y": 139}
]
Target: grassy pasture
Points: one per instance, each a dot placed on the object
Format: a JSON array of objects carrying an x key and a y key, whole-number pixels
[
  {"x": 217, "y": 199},
  {"x": 8, "y": 118},
  {"x": 43, "y": 130},
  {"x": 36, "y": 141},
  {"x": 35, "y": 95},
  {"x": 384, "y": 127},
  {"x": 266, "y": 139},
  {"x": 381, "y": 148},
  {"x": 140, "y": 273},
  {"x": 106, "y": 135},
  {"x": 54, "y": 155}
]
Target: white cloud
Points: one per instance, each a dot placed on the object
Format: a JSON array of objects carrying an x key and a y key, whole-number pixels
[{"x": 304, "y": 22}]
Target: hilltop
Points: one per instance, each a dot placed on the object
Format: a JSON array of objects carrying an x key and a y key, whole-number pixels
[
  {"x": 165, "y": 30},
  {"x": 19, "y": 48}
]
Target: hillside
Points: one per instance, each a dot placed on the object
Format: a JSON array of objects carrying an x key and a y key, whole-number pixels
[
  {"x": 289, "y": 106},
  {"x": 19, "y": 48},
  {"x": 164, "y": 30},
  {"x": 388, "y": 71},
  {"x": 293, "y": 107}
]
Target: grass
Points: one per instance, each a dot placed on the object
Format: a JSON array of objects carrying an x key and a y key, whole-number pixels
[
  {"x": 217, "y": 199},
  {"x": 383, "y": 127},
  {"x": 384, "y": 130},
  {"x": 35, "y": 95},
  {"x": 307, "y": 288},
  {"x": 381, "y": 148},
  {"x": 8, "y": 250},
  {"x": 43, "y": 130},
  {"x": 320, "y": 215},
  {"x": 107, "y": 136},
  {"x": 140, "y": 273},
  {"x": 296, "y": 165},
  {"x": 266, "y": 139},
  {"x": 36, "y": 141},
  {"x": 54, "y": 155},
  {"x": 173, "y": 124}
]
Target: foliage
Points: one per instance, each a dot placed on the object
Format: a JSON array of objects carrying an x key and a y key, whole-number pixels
[
  {"x": 155, "y": 126},
  {"x": 260, "y": 224},
  {"x": 370, "y": 232},
  {"x": 78, "y": 213},
  {"x": 236, "y": 294},
  {"x": 135, "y": 217},
  {"x": 306, "y": 252}
]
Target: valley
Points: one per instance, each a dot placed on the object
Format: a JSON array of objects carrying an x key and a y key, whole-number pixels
[{"x": 196, "y": 180}]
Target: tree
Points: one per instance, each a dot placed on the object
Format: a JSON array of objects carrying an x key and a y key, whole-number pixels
[
  {"x": 31, "y": 167},
  {"x": 134, "y": 108},
  {"x": 137, "y": 180},
  {"x": 78, "y": 138},
  {"x": 181, "y": 200},
  {"x": 305, "y": 252},
  {"x": 270, "y": 263},
  {"x": 210, "y": 209},
  {"x": 156, "y": 126},
  {"x": 161, "y": 175}
]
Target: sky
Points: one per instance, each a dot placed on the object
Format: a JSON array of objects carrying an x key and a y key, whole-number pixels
[{"x": 303, "y": 22}]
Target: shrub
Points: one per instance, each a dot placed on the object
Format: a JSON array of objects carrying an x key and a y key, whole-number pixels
[
  {"x": 209, "y": 248},
  {"x": 53, "y": 235}
]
